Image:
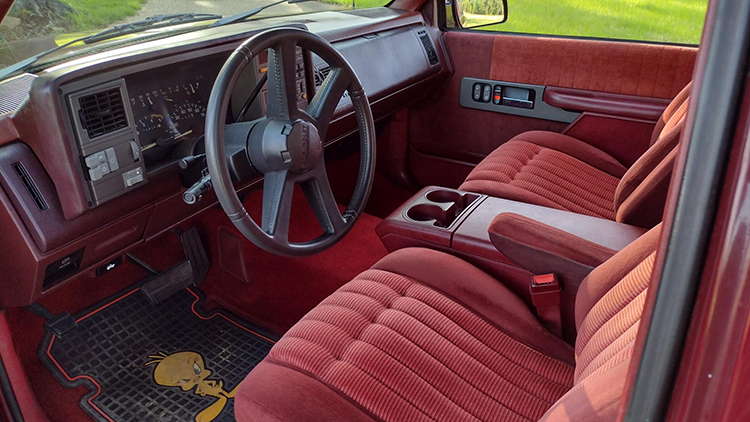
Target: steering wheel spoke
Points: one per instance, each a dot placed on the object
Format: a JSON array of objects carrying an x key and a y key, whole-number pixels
[
  {"x": 282, "y": 81},
  {"x": 278, "y": 190},
  {"x": 327, "y": 98},
  {"x": 318, "y": 191}
]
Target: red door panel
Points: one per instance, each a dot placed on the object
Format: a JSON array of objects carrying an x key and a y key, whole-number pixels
[{"x": 619, "y": 87}]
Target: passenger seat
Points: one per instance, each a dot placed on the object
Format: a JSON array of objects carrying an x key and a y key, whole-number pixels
[{"x": 558, "y": 171}]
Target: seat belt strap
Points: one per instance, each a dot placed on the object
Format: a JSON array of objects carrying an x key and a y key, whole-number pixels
[{"x": 545, "y": 295}]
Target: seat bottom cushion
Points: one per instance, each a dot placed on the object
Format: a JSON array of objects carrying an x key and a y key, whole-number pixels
[
  {"x": 420, "y": 336},
  {"x": 551, "y": 170}
]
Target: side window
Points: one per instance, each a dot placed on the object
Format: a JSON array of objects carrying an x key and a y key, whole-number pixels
[{"x": 672, "y": 21}]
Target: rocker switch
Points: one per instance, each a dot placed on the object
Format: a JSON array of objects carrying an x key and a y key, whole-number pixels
[
  {"x": 136, "y": 150},
  {"x": 486, "y": 93},
  {"x": 112, "y": 159},
  {"x": 476, "y": 93}
]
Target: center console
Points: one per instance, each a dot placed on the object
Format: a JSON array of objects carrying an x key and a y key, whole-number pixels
[{"x": 509, "y": 240}]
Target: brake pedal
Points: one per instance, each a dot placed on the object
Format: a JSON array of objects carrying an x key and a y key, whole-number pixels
[
  {"x": 192, "y": 271},
  {"x": 169, "y": 282},
  {"x": 195, "y": 254}
]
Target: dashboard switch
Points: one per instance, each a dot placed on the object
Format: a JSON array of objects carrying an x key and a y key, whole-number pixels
[
  {"x": 132, "y": 177},
  {"x": 136, "y": 150},
  {"x": 112, "y": 159},
  {"x": 93, "y": 160},
  {"x": 99, "y": 171}
]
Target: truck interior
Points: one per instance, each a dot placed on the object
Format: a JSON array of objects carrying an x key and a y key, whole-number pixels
[{"x": 379, "y": 214}]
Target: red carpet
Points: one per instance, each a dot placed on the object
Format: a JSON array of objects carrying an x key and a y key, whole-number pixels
[{"x": 280, "y": 290}]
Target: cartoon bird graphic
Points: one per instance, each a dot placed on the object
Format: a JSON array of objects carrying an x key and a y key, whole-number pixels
[{"x": 187, "y": 370}]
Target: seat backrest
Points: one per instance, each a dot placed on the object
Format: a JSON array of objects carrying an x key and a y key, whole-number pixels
[
  {"x": 609, "y": 305},
  {"x": 642, "y": 191}
]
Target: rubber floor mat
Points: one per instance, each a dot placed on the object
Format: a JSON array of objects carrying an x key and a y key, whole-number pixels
[{"x": 145, "y": 362}]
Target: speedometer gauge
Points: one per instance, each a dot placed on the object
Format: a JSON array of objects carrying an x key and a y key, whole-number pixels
[
  {"x": 169, "y": 105},
  {"x": 189, "y": 110}
]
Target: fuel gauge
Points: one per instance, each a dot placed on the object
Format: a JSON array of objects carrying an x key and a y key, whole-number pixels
[{"x": 149, "y": 123}]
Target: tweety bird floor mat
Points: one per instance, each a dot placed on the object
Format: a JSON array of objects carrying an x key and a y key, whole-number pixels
[{"x": 146, "y": 362}]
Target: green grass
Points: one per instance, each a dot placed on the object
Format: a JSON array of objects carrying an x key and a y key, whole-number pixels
[
  {"x": 98, "y": 14},
  {"x": 679, "y": 21}
]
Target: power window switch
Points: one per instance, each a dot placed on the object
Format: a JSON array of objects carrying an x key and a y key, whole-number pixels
[
  {"x": 99, "y": 171},
  {"x": 476, "y": 92},
  {"x": 486, "y": 93},
  {"x": 112, "y": 159}
]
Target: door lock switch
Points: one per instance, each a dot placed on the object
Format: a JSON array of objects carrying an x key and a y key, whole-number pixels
[{"x": 497, "y": 95}]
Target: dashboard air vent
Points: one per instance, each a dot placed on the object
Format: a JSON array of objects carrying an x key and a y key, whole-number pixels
[
  {"x": 429, "y": 48},
  {"x": 28, "y": 182},
  {"x": 320, "y": 74},
  {"x": 102, "y": 112}
]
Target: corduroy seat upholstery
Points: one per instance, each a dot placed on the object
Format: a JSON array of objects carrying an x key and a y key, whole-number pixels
[
  {"x": 423, "y": 335},
  {"x": 558, "y": 171}
]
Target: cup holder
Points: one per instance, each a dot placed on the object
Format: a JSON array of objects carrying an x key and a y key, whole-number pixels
[
  {"x": 461, "y": 199},
  {"x": 440, "y": 207},
  {"x": 433, "y": 214}
]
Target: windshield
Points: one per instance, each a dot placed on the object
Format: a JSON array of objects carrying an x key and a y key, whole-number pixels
[{"x": 34, "y": 26}]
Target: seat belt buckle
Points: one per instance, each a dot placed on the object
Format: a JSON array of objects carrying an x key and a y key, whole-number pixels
[
  {"x": 545, "y": 295},
  {"x": 545, "y": 291}
]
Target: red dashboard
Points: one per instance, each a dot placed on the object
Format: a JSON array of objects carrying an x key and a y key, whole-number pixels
[{"x": 71, "y": 214}]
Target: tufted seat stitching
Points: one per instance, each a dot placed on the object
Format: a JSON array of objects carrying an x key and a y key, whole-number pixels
[
  {"x": 569, "y": 183},
  {"x": 410, "y": 292}
]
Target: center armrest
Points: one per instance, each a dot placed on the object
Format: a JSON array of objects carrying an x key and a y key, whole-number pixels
[
  {"x": 542, "y": 248},
  {"x": 542, "y": 240},
  {"x": 509, "y": 240}
]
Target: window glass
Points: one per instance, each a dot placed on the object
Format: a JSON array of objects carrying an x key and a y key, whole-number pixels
[
  {"x": 34, "y": 26},
  {"x": 675, "y": 21}
]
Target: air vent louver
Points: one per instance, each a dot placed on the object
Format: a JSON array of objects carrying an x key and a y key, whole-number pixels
[
  {"x": 28, "y": 182},
  {"x": 102, "y": 113},
  {"x": 320, "y": 74},
  {"x": 429, "y": 48}
]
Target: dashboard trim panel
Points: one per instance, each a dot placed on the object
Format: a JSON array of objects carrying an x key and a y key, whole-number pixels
[{"x": 53, "y": 156}]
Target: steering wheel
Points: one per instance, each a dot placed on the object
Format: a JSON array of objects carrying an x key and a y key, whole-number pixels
[{"x": 287, "y": 145}]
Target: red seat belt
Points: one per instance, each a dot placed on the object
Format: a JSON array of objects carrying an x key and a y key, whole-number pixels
[{"x": 545, "y": 295}]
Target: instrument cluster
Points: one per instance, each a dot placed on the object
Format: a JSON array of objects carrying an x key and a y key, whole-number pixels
[
  {"x": 169, "y": 113},
  {"x": 169, "y": 105}
]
